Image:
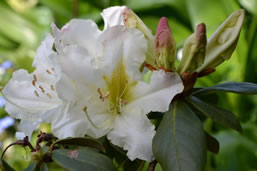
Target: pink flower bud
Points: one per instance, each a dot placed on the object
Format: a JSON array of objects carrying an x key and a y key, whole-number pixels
[{"x": 165, "y": 46}]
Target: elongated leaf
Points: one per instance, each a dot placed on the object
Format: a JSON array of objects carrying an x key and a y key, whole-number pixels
[
  {"x": 232, "y": 87},
  {"x": 179, "y": 143},
  {"x": 222, "y": 116},
  {"x": 82, "y": 159},
  {"x": 5, "y": 166},
  {"x": 79, "y": 141}
]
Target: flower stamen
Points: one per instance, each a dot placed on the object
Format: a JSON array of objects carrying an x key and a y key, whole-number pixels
[
  {"x": 36, "y": 93},
  {"x": 35, "y": 77},
  {"x": 48, "y": 72},
  {"x": 48, "y": 95},
  {"x": 34, "y": 83},
  {"x": 52, "y": 87},
  {"x": 42, "y": 89}
]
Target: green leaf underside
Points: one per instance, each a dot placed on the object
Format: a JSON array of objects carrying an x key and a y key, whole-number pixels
[
  {"x": 232, "y": 87},
  {"x": 179, "y": 143},
  {"x": 219, "y": 115},
  {"x": 86, "y": 159},
  {"x": 80, "y": 141},
  {"x": 5, "y": 166}
]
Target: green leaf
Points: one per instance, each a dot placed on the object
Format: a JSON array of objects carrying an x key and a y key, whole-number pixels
[
  {"x": 32, "y": 166},
  {"x": 233, "y": 87},
  {"x": 238, "y": 153},
  {"x": 121, "y": 159},
  {"x": 179, "y": 143},
  {"x": 212, "y": 144},
  {"x": 82, "y": 159},
  {"x": 222, "y": 116},
  {"x": 5, "y": 166},
  {"x": 85, "y": 142}
]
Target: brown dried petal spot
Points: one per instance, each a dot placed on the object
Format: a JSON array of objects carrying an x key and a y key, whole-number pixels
[{"x": 73, "y": 154}]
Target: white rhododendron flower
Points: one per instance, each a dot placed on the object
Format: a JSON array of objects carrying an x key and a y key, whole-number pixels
[
  {"x": 32, "y": 97},
  {"x": 94, "y": 85}
]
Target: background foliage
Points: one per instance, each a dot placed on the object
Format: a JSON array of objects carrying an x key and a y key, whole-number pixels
[{"x": 23, "y": 24}]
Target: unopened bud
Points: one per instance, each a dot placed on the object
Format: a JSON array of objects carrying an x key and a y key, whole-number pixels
[
  {"x": 194, "y": 50},
  {"x": 223, "y": 42},
  {"x": 131, "y": 20},
  {"x": 165, "y": 46}
]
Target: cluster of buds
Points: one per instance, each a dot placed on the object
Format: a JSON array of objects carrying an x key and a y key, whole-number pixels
[{"x": 199, "y": 55}]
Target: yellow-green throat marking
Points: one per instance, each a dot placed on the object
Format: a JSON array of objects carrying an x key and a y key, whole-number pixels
[
  {"x": 119, "y": 88},
  {"x": 117, "y": 93}
]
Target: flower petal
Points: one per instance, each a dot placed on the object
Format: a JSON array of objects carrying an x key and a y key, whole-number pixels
[
  {"x": 80, "y": 67},
  {"x": 121, "y": 43},
  {"x": 101, "y": 120},
  {"x": 26, "y": 127},
  {"x": 69, "y": 122},
  {"x": 26, "y": 101},
  {"x": 43, "y": 52},
  {"x": 113, "y": 16},
  {"x": 83, "y": 33},
  {"x": 133, "y": 132},
  {"x": 157, "y": 95}
]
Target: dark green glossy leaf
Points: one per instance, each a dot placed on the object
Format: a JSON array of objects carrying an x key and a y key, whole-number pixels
[
  {"x": 219, "y": 115},
  {"x": 121, "y": 159},
  {"x": 179, "y": 143},
  {"x": 232, "y": 87},
  {"x": 209, "y": 98},
  {"x": 128, "y": 165},
  {"x": 79, "y": 141},
  {"x": 82, "y": 159},
  {"x": 212, "y": 144},
  {"x": 5, "y": 166}
]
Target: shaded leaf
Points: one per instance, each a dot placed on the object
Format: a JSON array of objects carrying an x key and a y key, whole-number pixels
[
  {"x": 222, "y": 116},
  {"x": 232, "y": 87},
  {"x": 5, "y": 166},
  {"x": 212, "y": 144},
  {"x": 82, "y": 141},
  {"x": 86, "y": 159},
  {"x": 121, "y": 159},
  {"x": 179, "y": 143},
  {"x": 209, "y": 98}
]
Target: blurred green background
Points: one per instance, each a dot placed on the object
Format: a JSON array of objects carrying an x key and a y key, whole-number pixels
[{"x": 23, "y": 24}]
